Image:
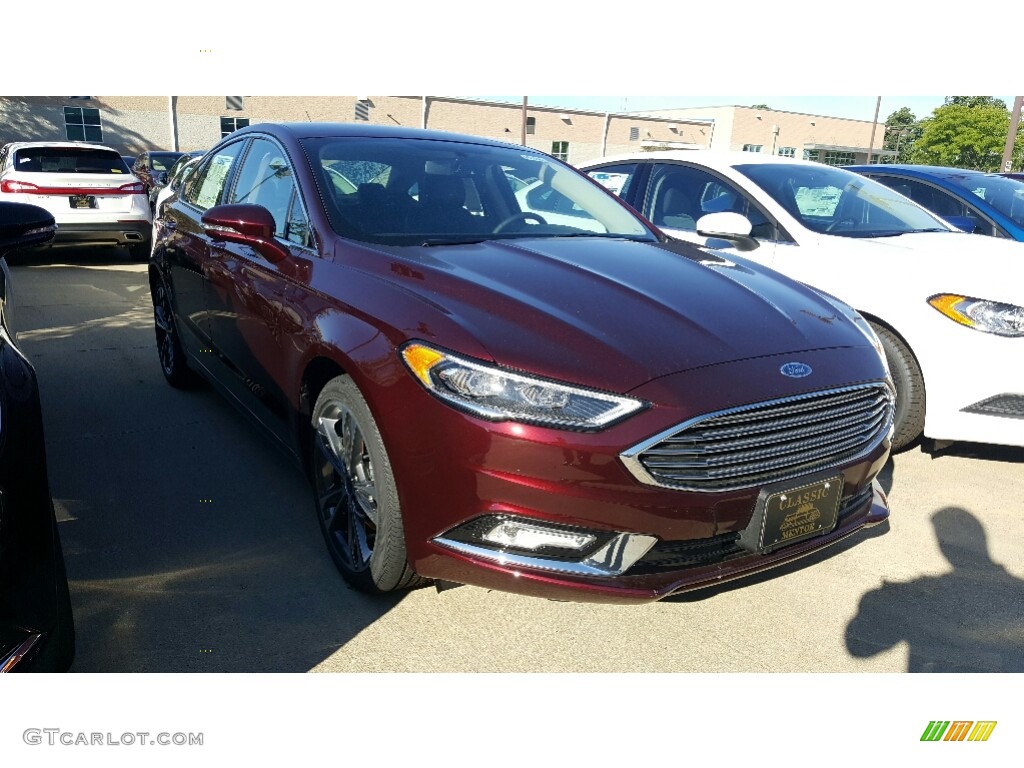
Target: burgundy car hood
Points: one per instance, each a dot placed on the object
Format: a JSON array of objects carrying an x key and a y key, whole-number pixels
[{"x": 613, "y": 313}]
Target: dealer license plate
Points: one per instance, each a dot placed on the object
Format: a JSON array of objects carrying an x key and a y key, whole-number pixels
[
  {"x": 800, "y": 513},
  {"x": 82, "y": 201}
]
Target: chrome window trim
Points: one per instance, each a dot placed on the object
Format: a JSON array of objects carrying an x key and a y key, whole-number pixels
[{"x": 630, "y": 457}]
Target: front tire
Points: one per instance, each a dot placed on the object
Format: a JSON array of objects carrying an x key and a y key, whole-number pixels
[
  {"x": 910, "y": 393},
  {"x": 355, "y": 492}
]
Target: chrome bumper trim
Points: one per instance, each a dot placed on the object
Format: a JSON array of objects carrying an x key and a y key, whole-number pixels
[{"x": 613, "y": 559}]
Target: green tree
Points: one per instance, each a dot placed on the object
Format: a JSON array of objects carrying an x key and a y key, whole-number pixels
[
  {"x": 902, "y": 130},
  {"x": 974, "y": 101},
  {"x": 761, "y": 106},
  {"x": 965, "y": 135}
]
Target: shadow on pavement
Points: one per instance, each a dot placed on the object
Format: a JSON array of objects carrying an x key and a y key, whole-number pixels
[
  {"x": 191, "y": 541},
  {"x": 968, "y": 620}
]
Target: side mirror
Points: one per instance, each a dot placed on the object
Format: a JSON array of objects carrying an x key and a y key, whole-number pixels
[
  {"x": 23, "y": 225},
  {"x": 965, "y": 223},
  {"x": 251, "y": 225},
  {"x": 734, "y": 228}
]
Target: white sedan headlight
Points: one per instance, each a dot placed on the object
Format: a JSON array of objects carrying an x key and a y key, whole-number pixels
[
  {"x": 497, "y": 394},
  {"x": 987, "y": 316}
]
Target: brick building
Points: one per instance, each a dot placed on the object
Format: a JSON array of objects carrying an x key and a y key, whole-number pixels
[
  {"x": 131, "y": 124},
  {"x": 831, "y": 140}
]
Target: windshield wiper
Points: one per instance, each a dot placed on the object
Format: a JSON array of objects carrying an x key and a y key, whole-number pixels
[
  {"x": 432, "y": 241},
  {"x": 608, "y": 236}
]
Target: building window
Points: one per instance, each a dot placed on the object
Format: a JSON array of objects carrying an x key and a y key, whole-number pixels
[
  {"x": 234, "y": 103},
  {"x": 787, "y": 151},
  {"x": 231, "y": 124},
  {"x": 839, "y": 158},
  {"x": 362, "y": 110},
  {"x": 560, "y": 150},
  {"x": 83, "y": 124},
  {"x": 531, "y": 125},
  {"x": 811, "y": 154},
  {"x": 753, "y": 147},
  {"x": 634, "y": 134}
]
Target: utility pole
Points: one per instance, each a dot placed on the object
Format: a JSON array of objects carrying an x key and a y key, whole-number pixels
[
  {"x": 522, "y": 139},
  {"x": 1011, "y": 137},
  {"x": 172, "y": 114},
  {"x": 874, "y": 125}
]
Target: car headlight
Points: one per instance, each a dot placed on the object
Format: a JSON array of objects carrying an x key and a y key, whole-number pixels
[
  {"x": 497, "y": 394},
  {"x": 987, "y": 316}
]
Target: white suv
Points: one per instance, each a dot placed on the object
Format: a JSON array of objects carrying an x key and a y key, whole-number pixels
[{"x": 92, "y": 195}]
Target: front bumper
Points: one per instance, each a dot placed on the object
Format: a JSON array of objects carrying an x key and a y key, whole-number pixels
[
  {"x": 974, "y": 385},
  {"x": 453, "y": 469}
]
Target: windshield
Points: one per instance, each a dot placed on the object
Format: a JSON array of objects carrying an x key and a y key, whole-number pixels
[
  {"x": 838, "y": 202},
  {"x": 68, "y": 160},
  {"x": 162, "y": 161},
  {"x": 1004, "y": 194},
  {"x": 422, "y": 191}
]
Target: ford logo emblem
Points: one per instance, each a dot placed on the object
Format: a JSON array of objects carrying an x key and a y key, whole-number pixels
[{"x": 795, "y": 370}]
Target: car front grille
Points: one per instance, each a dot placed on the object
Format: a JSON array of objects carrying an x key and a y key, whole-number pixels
[{"x": 767, "y": 442}]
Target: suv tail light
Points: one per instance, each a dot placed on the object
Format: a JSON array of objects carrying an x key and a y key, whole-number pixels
[
  {"x": 10, "y": 185},
  {"x": 25, "y": 187}
]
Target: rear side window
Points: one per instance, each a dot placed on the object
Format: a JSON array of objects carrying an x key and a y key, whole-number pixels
[
  {"x": 67, "y": 160},
  {"x": 205, "y": 190}
]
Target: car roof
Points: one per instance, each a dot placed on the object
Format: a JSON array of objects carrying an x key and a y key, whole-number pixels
[
  {"x": 937, "y": 171},
  {"x": 715, "y": 158},
  {"x": 60, "y": 145},
  {"x": 369, "y": 130}
]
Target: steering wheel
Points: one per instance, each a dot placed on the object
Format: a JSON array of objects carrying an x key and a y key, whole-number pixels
[
  {"x": 522, "y": 216},
  {"x": 837, "y": 222}
]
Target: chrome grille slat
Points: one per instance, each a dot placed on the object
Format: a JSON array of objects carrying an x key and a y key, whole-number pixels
[
  {"x": 766, "y": 442},
  {"x": 676, "y": 447},
  {"x": 801, "y": 404},
  {"x": 757, "y": 466},
  {"x": 817, "y": 415}
]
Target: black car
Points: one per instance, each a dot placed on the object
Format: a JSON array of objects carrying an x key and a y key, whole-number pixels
[
  {"x": 163, "y": 178},
  {"x": 151, "y": 166},
  {"x": 36, "y": 624}
]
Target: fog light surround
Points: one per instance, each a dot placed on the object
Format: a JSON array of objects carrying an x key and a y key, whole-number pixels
[{"x": 519, "y": 541}]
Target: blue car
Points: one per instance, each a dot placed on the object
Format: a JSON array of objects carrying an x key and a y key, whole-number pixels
[{"x": 975, "y": 201}]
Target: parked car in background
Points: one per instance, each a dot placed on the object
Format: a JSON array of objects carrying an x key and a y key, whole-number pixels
[
  {"x": 162, "y": 179},
  {"x": 481, "y": 396},
  {"x": 1018, "y": 176},
  {"x": 948, "y": 307},
  {"x": 173, "y": 185},
  {"x": 86, "y": 188},
  {"x": 151, "y": 164},
  {"x": 974, "y": 201},
  {"x": 36, "y": 623},
  {"x": 129, "y": 161}
]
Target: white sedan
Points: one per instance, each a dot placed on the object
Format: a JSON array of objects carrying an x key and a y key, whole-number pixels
[{"x": 948, "y": 307}]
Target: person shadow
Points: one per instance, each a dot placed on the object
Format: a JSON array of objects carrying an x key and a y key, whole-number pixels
[{"x": 970, "y": 619}]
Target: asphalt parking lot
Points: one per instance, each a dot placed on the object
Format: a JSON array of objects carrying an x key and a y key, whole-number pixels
[{"x": 191, "y": 543}]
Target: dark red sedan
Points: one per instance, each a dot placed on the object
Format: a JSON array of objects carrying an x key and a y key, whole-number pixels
[{"x": 539, "y": 393}]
